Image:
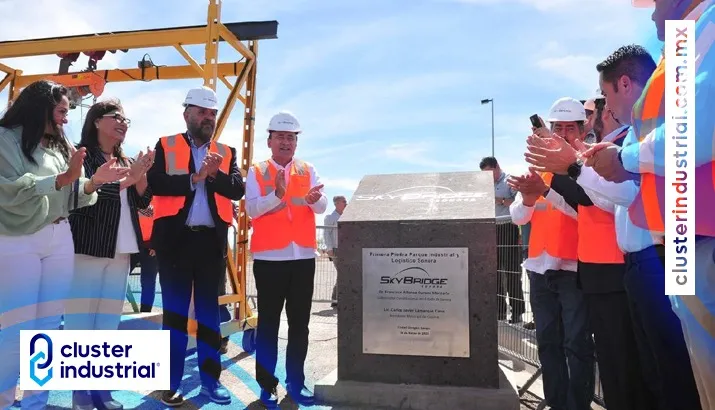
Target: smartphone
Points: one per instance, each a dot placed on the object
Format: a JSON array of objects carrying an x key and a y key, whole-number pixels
[{"x": 536, "y": 121}]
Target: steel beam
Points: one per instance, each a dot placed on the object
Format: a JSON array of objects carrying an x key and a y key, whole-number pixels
[
  {"x": 13, "y": 90},
  {"x": 212, "y": 39},
  {"x": 5, "y": 81},
  {"x": 6, "y": 69},
  {"x": 128, "y": 40},
  {"x": 234, "y": 41},
  {"x": 147, "y": 74},
  {"x": 189, "y": 59},
  {"x": 231, "y": 100}
]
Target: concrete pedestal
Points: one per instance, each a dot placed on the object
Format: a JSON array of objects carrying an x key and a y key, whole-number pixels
[
  {"x": 416, "y": 396},
  {"x": 417, "y": 306}
]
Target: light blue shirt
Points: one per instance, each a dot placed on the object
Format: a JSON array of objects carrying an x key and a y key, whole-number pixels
[
  {"x": 200, "y": 213},
  {"x": 649, "y": 154},
  {"x": 503, "y": 190}
]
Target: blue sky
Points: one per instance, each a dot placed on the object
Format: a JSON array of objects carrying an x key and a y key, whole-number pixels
[{"x": 380, "y": 86}]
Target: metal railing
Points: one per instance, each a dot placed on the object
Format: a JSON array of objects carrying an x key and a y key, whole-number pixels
[{"x": 517, "y": 338}]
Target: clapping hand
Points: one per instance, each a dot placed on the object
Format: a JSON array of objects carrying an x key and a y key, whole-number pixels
[
  {"x": 109, "y": 172},
  {"x": 280, "y": 183},
  {"x": 552, "y": 154},
  {"x": 213, "y": 162},
  {"x": 74, "y": 170},
  {"x": 314, "y": 194},
  {"x": 141, "y": 165}
]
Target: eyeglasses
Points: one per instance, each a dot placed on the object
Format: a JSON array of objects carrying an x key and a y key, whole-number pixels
[{"x": 119, "y": 118}]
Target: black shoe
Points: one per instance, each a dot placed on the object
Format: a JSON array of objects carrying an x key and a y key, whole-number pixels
[
  {"x": 104, "y": 401},
  {"x": 82, "y": 400},
  {"x": 172, "y": 398},
  {"x": 300, "y": 394},
  {"x": 216, "y": 393},
  {"x": 224, "y": 346},
  {"x": 269, "y": 398}
]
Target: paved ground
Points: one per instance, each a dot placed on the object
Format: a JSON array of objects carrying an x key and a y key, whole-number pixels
[
  {"x": 322, "y": 357},
  {"x": 239, "y": 374}
]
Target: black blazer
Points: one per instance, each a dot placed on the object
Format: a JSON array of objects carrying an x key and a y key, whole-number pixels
[
  {"x": 94, "y": 228},
  {"x": 167, "y": 231}
]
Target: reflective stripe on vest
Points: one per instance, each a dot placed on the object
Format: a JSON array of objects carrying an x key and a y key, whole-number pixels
[
  {"x": 177, "y": 154},
  {"x": 647, "y": 210},
  {"x": 291, "y": 221},
  {"x": 552, "y": 231}
]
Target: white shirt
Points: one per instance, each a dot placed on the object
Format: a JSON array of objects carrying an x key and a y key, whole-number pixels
[
  {"x": 126, "y": 237},
  {"x": 521, "y": 215},
  {"x": 617, "y": 197},
  {"x": 257, "y": 205}
]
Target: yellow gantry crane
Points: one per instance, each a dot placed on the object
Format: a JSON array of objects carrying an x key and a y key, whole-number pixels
[{"x": 243, "y": 37}]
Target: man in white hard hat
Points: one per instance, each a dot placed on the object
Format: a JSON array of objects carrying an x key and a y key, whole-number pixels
[
  {"x": 563, "y": 335},
  {"x": 194, "y": 180},
  {"x": 283, "y": 194}
]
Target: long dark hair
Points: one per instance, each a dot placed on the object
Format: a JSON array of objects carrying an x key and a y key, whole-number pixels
[
  {"x": 90, "y": 135},
  {"x": 33, "y": 110}
]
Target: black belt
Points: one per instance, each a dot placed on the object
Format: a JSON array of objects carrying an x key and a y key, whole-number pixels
[{"x": 200, "y": 228}]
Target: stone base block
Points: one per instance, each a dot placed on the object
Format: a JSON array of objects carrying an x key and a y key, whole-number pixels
[
  {"x": 141, "y": 321},
  {"x": 333, "y": 392}
]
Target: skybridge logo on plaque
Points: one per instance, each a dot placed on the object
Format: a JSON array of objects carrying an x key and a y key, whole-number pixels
[{"x": 416, "y": 301}]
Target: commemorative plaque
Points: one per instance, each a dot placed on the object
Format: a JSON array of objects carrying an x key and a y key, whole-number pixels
[
  {"x": 415, "y": 301},
  {"x": 417, "y": 283}
]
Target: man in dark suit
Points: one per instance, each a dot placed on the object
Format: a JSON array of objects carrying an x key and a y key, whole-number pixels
[{"x": 194, "y": 181}]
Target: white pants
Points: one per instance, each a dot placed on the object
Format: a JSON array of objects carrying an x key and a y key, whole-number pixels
[
  {"x": 35, "y": 276},
  {"x": 697, "y": 317},
  {"x": 98, "y": 292}
]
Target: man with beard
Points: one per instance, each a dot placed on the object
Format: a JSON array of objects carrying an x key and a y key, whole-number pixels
[{"x": 195, "y": 181}]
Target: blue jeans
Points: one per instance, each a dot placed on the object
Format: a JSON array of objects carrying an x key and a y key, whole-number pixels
[{"x": 565, "y": 342}]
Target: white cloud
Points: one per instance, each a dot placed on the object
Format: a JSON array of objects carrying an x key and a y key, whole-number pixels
[
  {"x": 340, "y": 184},
  {"x": 579, "y": 69},
  {"x": 374, "y": 104}
]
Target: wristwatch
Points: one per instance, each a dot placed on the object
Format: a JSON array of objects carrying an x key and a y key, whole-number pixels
[{"x": 574, "y": 169}]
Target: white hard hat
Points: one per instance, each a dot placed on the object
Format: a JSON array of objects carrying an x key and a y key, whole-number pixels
[
  {"x": 202, "y": 97},
  {"x": 566, "y": 110},
  {"x": 284, "y": 121}
]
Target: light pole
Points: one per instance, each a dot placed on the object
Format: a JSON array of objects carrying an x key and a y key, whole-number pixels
[{"x": 491, "y": 101}]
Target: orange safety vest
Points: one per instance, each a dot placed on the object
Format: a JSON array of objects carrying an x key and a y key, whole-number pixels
[
  {"x": 597, "y": 241},
  {"x": 146, "y": 224},
  {"x": 552, "y": 231},
  {"x": 177, "y": 154},
  {"x": 291, "y": 221},
  {"x": 647, "y": 211}
]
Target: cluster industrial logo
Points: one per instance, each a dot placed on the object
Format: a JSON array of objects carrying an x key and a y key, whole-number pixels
[{"x": 94, "y": 360}]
